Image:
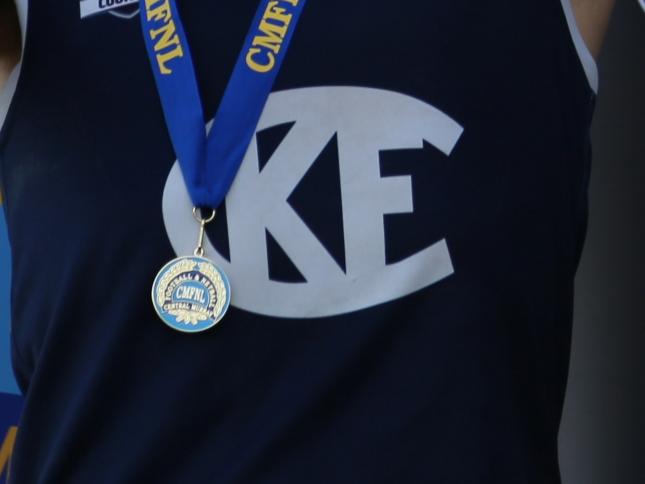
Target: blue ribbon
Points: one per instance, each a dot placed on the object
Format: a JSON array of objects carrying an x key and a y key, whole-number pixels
[{"x": 209, "y": 163}]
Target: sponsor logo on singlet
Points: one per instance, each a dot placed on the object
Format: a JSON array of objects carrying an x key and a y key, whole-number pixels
[
  {"x": 126, "y": 9},
  {"x": 364, "y": 123}
]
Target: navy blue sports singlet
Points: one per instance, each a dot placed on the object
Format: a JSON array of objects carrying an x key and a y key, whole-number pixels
[{"x": 401, "y": 240}]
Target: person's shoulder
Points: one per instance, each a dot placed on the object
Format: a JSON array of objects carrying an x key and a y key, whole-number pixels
[
  {"x": 10, "y": 43},
  {"x": 592, "y": 17}
]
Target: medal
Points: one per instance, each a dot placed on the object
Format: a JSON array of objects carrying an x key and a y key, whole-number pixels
[{"x": 191, "y": 294}]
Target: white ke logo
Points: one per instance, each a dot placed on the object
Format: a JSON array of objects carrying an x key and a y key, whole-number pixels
[{"x": 366, "y": 121}]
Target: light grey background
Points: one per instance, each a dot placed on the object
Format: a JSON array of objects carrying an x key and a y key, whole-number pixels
[{"x": 602, "y": 440}]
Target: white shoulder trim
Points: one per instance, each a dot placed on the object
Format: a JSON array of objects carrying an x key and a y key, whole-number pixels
[
  {"x": 6, "y": 94},
  {"x": 22, "y": 7},
  {"x": 586, "y": 59}
]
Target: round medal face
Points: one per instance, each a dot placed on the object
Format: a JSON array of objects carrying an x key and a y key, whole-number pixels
[{"x": 191, "y": 294}]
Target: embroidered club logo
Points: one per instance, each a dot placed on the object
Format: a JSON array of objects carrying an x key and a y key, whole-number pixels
[{"x": 125, "y": 9}]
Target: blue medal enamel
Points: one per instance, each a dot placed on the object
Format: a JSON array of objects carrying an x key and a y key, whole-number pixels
[{"x": 191, "y": 294}]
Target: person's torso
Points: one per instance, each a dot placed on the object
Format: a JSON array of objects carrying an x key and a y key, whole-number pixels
[{"x": 401, "y": 241}]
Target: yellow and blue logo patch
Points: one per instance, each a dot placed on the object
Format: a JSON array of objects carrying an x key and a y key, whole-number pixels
[{"x": 10, "y": 407}]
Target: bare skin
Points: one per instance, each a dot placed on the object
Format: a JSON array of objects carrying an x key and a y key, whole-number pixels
[
  {"x": 9, "y": 40},
  {"x": 592, "y": 17}
]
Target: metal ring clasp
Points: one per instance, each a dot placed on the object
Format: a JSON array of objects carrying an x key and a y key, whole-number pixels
[{"x": 197, "y": 213}]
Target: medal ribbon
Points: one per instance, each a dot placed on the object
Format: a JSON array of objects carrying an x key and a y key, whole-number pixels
[{"x": 209, "y": 163}]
